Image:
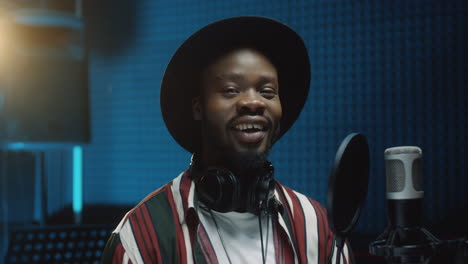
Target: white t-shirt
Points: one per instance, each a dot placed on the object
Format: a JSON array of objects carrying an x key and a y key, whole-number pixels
[{"x": 240, "y": 233}]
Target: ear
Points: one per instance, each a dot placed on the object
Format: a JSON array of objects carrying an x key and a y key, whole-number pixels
[{"x": 197, "y": 108}]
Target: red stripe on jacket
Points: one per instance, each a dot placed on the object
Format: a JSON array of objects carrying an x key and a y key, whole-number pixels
[
  {"x": 118, "y": 254},
  {"x": 322, "y": 230},
  {"x": 178, "y": 228},
  {"x": 206, "y": 246},
  {"x": 141, "y": 236},
  {"x": 151, "y": 232},
  {"x": 299, "y": 227}
]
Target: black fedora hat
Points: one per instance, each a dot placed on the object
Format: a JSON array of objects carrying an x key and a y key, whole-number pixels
[{"x": 282, "y": 45}]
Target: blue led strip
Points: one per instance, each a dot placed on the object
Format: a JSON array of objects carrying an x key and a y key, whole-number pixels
[{"x": 77, "y": 179}]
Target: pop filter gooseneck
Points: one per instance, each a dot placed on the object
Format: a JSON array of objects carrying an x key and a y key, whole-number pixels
[{"x": 347, "y": 188}]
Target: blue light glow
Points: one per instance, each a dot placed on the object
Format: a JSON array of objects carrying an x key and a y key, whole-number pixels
[
  {"x": 16, "y": 146},
  {"x": 77, "y": 179}
]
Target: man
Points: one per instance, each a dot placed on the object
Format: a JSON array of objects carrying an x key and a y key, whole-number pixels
[{"x": 229, "y": 93}]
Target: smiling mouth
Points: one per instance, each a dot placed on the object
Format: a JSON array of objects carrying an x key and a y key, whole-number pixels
[
  {"x": 249, "y": 127},
  {"x": 250, "y": 133}
]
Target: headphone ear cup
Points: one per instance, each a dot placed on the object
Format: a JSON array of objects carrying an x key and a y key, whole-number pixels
[
  {"x": 231, "y": 193},
  {"x": 261, "y": 192},
  {"x": 219, "y": 189},
  {"x": 263, "y": 189}
]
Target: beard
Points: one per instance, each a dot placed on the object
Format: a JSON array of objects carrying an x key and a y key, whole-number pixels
[
  {"x": 243, "y": 164},
  {"x": 246, "y": 165}
]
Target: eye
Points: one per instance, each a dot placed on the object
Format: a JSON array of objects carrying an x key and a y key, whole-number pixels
[
  {"x": 268, "y": 92},
  {"x": 230, "y": 90}
]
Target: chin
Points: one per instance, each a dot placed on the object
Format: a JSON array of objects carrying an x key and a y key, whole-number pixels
[
  {"x": 258, "y": 148},
  {"x": 246, "y": 159}
]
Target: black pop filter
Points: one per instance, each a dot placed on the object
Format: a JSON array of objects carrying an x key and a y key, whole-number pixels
[{"x": 348, "y": 182}]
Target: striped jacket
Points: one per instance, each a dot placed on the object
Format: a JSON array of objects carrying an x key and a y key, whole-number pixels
[{"x": 164, "y": 228}]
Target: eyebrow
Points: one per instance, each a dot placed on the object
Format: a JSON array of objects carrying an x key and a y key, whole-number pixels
[
  {"x": 237, "y": 77},
  {"x": 229, "y": 76}
]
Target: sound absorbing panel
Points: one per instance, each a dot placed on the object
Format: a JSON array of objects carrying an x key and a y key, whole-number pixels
[
  {"x": 59, "y": 244},
  {"x": 43, "y": 84}
]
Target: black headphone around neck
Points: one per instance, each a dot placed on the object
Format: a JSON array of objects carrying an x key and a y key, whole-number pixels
[{"x": 220, "y": 190}]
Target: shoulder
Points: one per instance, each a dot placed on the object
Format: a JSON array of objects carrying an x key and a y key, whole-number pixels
[
  {"x": 142, "y": 209},
  {"x": 309, "y": 225},
  {"x": 305, "y": 213},
  {"x": 159, "y": 203},
  {"x": 296, "y": 200},
  {"x": 145, "y": 230},
  {"x": 140, "y": 216}
]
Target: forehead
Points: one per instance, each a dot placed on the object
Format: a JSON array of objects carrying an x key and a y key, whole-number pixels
[{"x": 241, "y": 59}]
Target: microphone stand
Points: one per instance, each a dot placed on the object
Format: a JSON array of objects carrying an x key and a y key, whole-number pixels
[{"x": 403, "y": 245}]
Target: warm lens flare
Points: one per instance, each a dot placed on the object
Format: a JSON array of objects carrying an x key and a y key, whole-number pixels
[{"x": 3, "y": 43}]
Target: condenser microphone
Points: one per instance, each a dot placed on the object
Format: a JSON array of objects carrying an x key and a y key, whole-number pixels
[
  {"x": 405, "y": 241},
  {"x": 403, "y": 169}
]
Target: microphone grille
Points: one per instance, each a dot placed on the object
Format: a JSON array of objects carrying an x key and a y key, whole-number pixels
[
  {"x": 395, "y": 171},
  {"x": 417, "y": 177},
  {"x": 403, "y": 150}
]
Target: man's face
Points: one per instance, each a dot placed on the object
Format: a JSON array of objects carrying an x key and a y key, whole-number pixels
[{"x": 239, "y": 107}]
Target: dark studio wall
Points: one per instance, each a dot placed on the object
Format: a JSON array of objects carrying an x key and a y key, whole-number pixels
[{"x": 393, "y": 70}]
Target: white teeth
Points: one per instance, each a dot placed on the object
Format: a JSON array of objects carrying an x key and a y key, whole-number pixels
[{"x": 249, "y": 126}]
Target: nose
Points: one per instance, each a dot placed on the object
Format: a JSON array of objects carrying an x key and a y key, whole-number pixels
[{"x": 251, "y": 103}]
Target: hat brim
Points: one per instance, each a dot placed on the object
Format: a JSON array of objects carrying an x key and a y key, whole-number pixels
[{"x": 283, "y": 46}]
